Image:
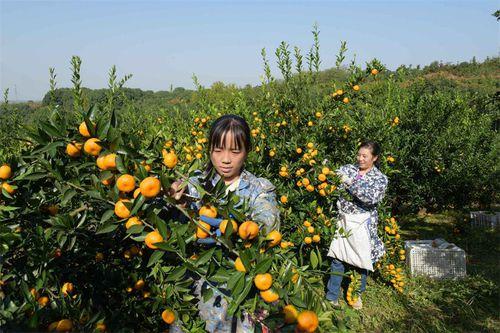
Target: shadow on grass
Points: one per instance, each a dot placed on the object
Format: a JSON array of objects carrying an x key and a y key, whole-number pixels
[{"x": 470, "y": 304}]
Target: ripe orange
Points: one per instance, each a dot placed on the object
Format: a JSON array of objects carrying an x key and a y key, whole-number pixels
[
  {"x": 274, "y": 237},
  {"x": 108, "y": 181},
  {"x": 316, "y": 238},
  {"x": 209, "y": 211},
  {"x": 110, "y": 161},
  {"x": 63, "y": 325},
  {"x": 125, "y": 183},
  {"x": 139, "y": 284},
  {"x": 169, "y": 159},
  {"x": 200, "y": 233},
  {"x": 355, "y": 87},
  {"x": 290, "y": 313},
  {"x": 223, "y": 226},
  {"x": 269, "y": 296},
  {"x": 345, "y": 100},
  {"x": 8, "y": 188},
  {"x": 67, "y": 288},
  {"x": 137, "y": 192},
  {"x": 84, "y": 131},
  {"x": 5, "y": 172},
  {"x": 34, "y": 293},
  {"x": 146, "y": 166},
  {"x": 92, "y": 147},
  {"x": 53, "y": 210},
  {"x": 307, "y": 321},
  {"x": 248, "y": 230},
  {"x": 72, "y": 149},
  {"x": 99, "y": 256},
  {"x": 101, "y": 327},
  {"x": 308, "y": 240},
  {"x": 238, "y": 265},
  {"x": 168, "y": 316},
  {"x": 152, "y": 238},
  {"x": 43, "y": 301},
  {"x": 263, "y": 281},
  {"x": 322, "y": 177},
  {"x": 132, "y": 221},
  {"x": 284, "y": 199},
  {"x": 121, "y": 209},
  {"x": 100, "y": 162},
  {"x": 325, "y": 171},
  {"x": 374, "y": 71},
  {"x": 150, "y": 187}
]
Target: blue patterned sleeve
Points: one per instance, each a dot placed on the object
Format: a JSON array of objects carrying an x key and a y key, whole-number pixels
[
  {"x": 264, "y": 208},
  {"x": 369, "y": 190}
]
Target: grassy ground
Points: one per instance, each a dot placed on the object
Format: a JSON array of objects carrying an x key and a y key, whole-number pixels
[{"x": 464, "y": 305}]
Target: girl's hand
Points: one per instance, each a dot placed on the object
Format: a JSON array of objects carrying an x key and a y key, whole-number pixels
[{"x": 175, "y": 191}]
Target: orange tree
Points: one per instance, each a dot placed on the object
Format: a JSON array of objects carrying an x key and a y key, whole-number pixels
[{"x": 90, "y": 237}]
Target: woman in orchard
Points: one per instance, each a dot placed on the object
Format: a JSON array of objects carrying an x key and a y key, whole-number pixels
[
  {"x": 229, "y": 144},
  {"x": 365, "y": 186}
]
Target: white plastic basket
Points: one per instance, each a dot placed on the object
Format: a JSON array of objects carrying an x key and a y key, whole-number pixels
[
  {"x": 435, "y": 258},
  {"x": 484, "y": 219}
]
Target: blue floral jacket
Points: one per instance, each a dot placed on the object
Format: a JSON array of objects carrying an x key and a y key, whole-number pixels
[
  {"x": 365, "y": 194},
  {"x": 263, "y": 209}
]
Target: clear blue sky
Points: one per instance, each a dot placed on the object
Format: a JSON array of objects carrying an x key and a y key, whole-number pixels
[{"x": 164, "y": 42}]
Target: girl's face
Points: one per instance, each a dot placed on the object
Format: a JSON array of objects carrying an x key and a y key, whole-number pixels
[
  {"x": 227, "y": 158},
  {"x": 366, "y": 158}
]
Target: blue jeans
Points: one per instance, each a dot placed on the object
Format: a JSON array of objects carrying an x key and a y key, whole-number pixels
[{"x": 335, "y": 280}]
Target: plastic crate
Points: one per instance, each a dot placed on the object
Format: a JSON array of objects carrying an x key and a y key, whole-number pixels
[
  {"x": 435, "y": 258},
  {"x": 484, "y": 219}
]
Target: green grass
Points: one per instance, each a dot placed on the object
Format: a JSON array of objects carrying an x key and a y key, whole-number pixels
[{"x": 470, "y": 304}]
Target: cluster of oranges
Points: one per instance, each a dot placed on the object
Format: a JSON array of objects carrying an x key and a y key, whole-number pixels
[
  {"x": 5, "y": 174},
  {"x": 396, "y": 275},
  {"x": 307, "y": 321},
  {"x": 392, "y": 227},
  {"x": 322, "y": 186},
  {"x": 314, "y": 234},
  {"x": 353, "y": 290}
]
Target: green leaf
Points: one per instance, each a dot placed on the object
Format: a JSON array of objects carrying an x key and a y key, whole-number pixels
[
  {"x": 102, "y": 128},
  {"x": 105, "y": 175},
  {"x": 49, "y": 129},
  {"x": 120, "y": 166},
  {"x": 107, "y": 215},
  {"x": 206, "y": 256},
  {"x": 233, "y": 307},
  {"x": 263, "y": 266},
  {"x": 181, "y": 243},
  {"x": 32, "y": 176},
  {"x": 162, "y": 245},
  {"x": 155, "y": 257},
  {"x": 137, "y": 205},
  {"x": 70, "y": 193},
  {"x": 135, "y": 229},
  {"x": 314, "y": 260},
  {"x": 297, "y": 301},
  {"x": 106, "y": 228},
  {"x": 233, "y": 280},
  {"x": 113, "y": 121},
  {"x": 207, "y": 294},
  {"x": 176, "y": 274}
]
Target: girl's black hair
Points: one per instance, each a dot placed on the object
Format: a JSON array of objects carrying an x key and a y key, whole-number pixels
[
  {"x": 374, "y": 149},
  {"x": 229, "y": 123}
]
